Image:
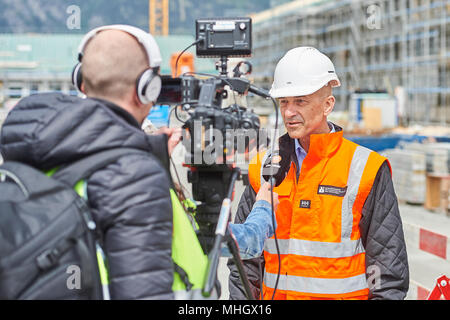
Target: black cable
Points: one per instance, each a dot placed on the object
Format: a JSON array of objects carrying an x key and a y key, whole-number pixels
[
  {"x": 260, "y": 280},
  {"x": 170, "y": 116},
  {"x": 170, "y": 157},
  {"x": 181, "y": 53},
  {"x": 178, "y": 117},
  {"x": 271, "y": 199},
  {"x": 178, "y": 178}
]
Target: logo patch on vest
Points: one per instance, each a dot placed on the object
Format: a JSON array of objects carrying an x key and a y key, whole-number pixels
[
  {"x": 332, "y": 190},
  {"x": 305, "y": 204}
]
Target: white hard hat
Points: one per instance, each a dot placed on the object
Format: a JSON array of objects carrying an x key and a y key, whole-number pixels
[{"x": 302, "y": 71}]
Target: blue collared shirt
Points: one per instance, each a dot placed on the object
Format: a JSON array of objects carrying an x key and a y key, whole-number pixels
[{"x": 301, "y": 153}]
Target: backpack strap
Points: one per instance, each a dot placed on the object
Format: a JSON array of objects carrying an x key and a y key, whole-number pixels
[
  {"x": 183, "y": 275},
  {"x": 84, "y": 168},
  {"x": 27, "y": 178},
  {"x": 50, "y": 258}
]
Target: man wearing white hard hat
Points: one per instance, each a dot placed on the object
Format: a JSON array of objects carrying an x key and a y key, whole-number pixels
[{"x": 339, "y": 233}]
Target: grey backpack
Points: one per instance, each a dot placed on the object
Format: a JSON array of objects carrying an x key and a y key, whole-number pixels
[{"x": 47, "y": 235}]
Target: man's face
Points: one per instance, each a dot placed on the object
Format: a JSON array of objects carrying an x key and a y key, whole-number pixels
[{"x": 305, "y": 115}]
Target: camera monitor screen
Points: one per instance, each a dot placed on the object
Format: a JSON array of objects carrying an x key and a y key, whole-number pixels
[{"x": 231, "y": 37}]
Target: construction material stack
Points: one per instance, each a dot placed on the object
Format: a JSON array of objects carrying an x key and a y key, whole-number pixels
[{"x": 408, "y": 174}]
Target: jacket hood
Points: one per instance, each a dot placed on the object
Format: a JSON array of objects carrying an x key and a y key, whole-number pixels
[{"x": 47, "y": 130}]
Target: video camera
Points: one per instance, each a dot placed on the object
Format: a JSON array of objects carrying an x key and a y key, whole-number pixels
[{"x": 214, "y": 130}]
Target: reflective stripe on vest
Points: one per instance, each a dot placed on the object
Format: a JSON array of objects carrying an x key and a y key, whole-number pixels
[
  {"x": 357, "y": 166},
  {"x": 104, "y": 279},
  {"x": 311, "y": 268},
  {"x": 316, "y": 285},
  {"x": 346, "y": 248}
]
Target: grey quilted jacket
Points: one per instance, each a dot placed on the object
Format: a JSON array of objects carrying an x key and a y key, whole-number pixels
[
  {"x": 129, "y": 198},
  {"x": 381, "y": 233}
]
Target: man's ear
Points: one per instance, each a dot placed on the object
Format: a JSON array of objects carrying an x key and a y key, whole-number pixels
[
  {"x": 143, "y": 109},
  {"x": 333, "y": 83},
  {"x": 136, "y": 100},
  {"x": 329, "y": 105},
  {"x": 82, "y": 88}
]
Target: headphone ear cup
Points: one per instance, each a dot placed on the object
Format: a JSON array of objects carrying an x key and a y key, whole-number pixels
[
  {"x": 77, "y": 78},
  {"x": 148, "y": 86}
]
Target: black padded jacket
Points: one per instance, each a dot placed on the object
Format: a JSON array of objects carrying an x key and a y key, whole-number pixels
[
  {"x": 381, "y": 233},
  {"x": 129, "y": 198}
]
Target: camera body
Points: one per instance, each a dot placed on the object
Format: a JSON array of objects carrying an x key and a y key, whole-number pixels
[{"x": 210, "y": 124}]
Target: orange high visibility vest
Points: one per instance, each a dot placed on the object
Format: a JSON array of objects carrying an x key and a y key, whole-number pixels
[{"x": 322, "y": 256}]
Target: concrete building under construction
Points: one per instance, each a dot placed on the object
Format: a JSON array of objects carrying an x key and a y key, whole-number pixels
[{"x": 398, "y": 46}]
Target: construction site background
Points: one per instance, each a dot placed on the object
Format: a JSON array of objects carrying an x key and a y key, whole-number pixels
[{"x": 398, "y": 47}]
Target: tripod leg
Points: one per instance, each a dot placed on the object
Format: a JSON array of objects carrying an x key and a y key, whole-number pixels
[
  {"x": 221, "y": 233},
  {"x": 232, "y": 246},
  {"x": 211, "y": 276}
]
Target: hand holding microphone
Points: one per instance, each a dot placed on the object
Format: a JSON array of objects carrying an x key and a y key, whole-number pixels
[
  {"x": 265, "y": 194},
  {"x": 275, "y": 168}
]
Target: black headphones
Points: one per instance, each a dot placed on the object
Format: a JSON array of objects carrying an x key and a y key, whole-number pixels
[{"x": 148, "y": 84}]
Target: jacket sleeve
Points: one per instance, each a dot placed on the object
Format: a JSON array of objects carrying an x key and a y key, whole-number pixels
[
  {"x": 251, "y": 235},
  {"x": 131, "y": 204},
  {"x": 253, "y": 267},
  {"x": 382, "y": 235}
]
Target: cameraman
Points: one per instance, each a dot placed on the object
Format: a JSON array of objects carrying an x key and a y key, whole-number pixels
[{"x": 129, "y": 199}]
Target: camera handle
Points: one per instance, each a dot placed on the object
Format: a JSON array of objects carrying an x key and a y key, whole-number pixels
[
  {"x": 223, "y": 66},
  {"x": 221, "y": 234}
]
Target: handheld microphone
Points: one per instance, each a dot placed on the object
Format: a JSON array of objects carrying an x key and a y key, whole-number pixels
[{"x": 274, "y": 169}]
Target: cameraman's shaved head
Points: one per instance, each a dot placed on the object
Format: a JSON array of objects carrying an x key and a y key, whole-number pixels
[{"x": 112, "y": 61}]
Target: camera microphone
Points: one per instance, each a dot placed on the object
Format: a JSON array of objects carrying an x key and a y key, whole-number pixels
[{"x": 260, "y": 92}]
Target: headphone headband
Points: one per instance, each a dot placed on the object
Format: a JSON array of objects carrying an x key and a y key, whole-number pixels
[
  {"x": 148, "y": 84},
  {"x": 144, "y": 38}
]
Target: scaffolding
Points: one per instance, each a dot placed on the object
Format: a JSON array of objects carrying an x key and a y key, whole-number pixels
[{"x": 379, "y": 45}]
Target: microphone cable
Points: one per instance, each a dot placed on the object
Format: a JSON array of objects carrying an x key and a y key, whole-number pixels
[{"x": 271, "y": 200}]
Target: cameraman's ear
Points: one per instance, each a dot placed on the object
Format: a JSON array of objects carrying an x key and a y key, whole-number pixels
[
  {"x": 136, "y": 100},
  {"x": 82, "y": 88}
]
